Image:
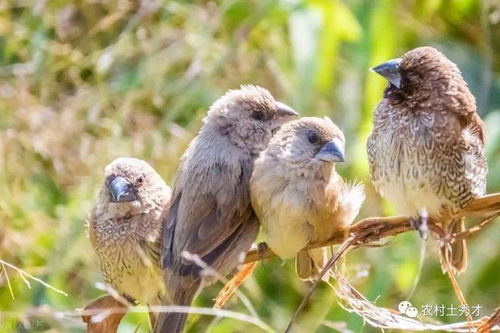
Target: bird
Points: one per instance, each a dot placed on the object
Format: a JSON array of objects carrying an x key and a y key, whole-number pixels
[
  {"x": 210, "y": 215},
  {"x": 125, "y": 230},
  {"x": 426, "y": 152},
  {"x": 298, "y": 196}
]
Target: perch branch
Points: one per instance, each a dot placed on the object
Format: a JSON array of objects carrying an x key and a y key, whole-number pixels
[{"x": 376, "y": 228}]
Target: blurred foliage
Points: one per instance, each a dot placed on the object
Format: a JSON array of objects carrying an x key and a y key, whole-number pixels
[{"x": 85, "y": 81}]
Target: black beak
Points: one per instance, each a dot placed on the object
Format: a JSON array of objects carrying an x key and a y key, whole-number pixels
[
  {"x": 121, "y": 190},
  {"x": 283, "y": 114},
  {"x": 332, "y": 151},
  {"x": 390, "y": 70}
]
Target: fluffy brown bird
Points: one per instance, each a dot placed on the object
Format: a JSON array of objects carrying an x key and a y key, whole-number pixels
[
  {"x": 426, "y": 151},
  {"x": 210, "y": 214},
  {"x": 297, "y": 195},
  {"x": 125, "y": 229}
]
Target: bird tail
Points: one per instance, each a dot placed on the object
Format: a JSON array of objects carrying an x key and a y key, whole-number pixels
[
  {"x": 456, "y": 252},
  {"x": 157, "y": 301},
  {"x": 182, "y": 295},
  {"x": 309, "y": 263}
]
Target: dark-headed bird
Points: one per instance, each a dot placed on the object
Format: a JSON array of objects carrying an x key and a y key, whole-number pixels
[
  {"x": 426, "y": 151},
  {"x": 210, "y": 215},
  {"x": 298, "y": 196},
  {"x": 125, "y": 230}
]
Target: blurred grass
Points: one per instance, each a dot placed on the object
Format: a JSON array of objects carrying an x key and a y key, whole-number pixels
[{"x": 84, "y": 82}]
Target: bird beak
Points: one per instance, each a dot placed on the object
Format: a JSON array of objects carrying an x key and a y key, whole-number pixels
[
  {"x": 283, "y": 114},
  {"x": 332, "y": 151},
  {"x": 390, "y": 70},
  {"x": 121, "y": 190}
]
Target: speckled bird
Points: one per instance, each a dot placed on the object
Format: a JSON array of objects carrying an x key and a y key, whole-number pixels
[
  {"x": 125, "y": 229},
  {"x": 426, "y": 150},
  {"x": 298, "y": 196}
]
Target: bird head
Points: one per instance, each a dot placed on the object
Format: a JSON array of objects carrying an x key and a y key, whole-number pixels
[
  {"x": 421, "y": 72},
  {"x": 309, "y": 142},
  {"x": 133, "y": 183},
  {"x": 249, "y": 117}
]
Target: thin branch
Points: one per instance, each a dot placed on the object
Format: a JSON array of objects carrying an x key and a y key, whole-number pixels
[
  {"x": 473, "y": 230},
  {"x": 488, "y": 204},
  {"x": 333, "y": 260},
  {"x": 353, "y": 301},
  {"x": 8, "y": 281},
  {"x": 492, "y": 323},
  {"x": 23, "y": 274},
  {"x": 232, "y": 285},
  {"x": 91, "y": 312},
  {"x": 456, "y": 287},
  {"x": 376, "y": 228}
]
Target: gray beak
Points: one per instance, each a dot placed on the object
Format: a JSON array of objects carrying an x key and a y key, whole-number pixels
[
  {"x": 283, "y": 114},
  {"x": 121, "y": 190},
  {"x": 390, "y": 70},
  {"x": 332, "y": 151}
]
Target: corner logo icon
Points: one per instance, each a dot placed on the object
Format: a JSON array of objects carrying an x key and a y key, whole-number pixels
[{"x": 407, "y": 309}]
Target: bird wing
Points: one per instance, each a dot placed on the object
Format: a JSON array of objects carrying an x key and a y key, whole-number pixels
[
  {"x": 478, "y": 127},
  {"x": 151, "y": 250},
  {"x": 462, "y": 103},
  {"x": 212, "y": 219}
]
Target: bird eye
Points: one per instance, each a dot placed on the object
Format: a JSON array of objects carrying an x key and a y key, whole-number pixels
[
  {"x": 312, "y": 137},
  {"x": 258, "y": 115},
  {"x": 140, "y": 180}
]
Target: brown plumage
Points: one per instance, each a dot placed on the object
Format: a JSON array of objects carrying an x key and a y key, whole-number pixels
[
  {"x": 297, "y": 195},
  {"x": 426, "y": 151},
  {"x": 210, "y": 214},
  {"x": 125, "y": 229}
]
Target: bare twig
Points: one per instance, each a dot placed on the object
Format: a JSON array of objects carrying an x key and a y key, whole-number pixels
[
  {"x": 25, "y": 275},
  {"x": 232, "y": 285},
  {"x": 8, "y": 281},
  {"x": 353, "y": 301},
  {"x": 484, "y": 205},
  {"x": 492, "y": 323},
  {"x": 376, "y": 228},
  {"x": 181, "y": 309},
  {"x": 340, "y": 251},
  {"x": 456, "y": 287},
  {"x": 473, "y": 230}
]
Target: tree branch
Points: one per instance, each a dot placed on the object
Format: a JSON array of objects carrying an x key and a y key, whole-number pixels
[{"x": 374, "y": 229}]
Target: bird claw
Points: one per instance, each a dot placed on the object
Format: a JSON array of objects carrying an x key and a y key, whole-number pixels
[
  {"x": 261, "y": 249},
  {"x": 420, "y": 224}
]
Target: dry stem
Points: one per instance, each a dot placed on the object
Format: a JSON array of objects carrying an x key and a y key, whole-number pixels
[{"x": 374, "y": 229}]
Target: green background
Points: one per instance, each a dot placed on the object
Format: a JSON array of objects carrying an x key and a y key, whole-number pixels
[{"x": 84, "y": 82}]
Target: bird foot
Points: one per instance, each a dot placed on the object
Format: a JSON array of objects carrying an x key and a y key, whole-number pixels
[
  {"x": 421, "y": 225},
  {"x": 261, "y": 249}
]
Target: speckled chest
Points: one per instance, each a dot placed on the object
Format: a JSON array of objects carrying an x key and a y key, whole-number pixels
[
  {"x": 125, "y": 248},
  {"x": 416, "y": 159}
]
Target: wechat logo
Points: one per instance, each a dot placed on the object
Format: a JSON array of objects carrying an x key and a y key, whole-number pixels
[{"x": 407, "y": 309}]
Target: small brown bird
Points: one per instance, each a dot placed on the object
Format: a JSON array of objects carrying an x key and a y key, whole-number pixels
[
  {"x": 125, "y": 229},
  {"x": 297, "y": 195},
  {"x": 210, "y": 214},
  {"x": 426, "y": 151}
]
